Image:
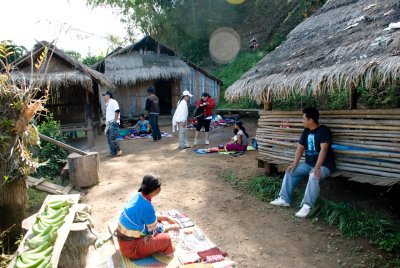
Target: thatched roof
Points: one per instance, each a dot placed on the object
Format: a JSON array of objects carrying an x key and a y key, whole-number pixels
[
  {"x": 144, "y": 60},
  {"x": 345, "y": 43},
  {"x": 129, "y": 68},
  {"x": 62, "y": 69}
]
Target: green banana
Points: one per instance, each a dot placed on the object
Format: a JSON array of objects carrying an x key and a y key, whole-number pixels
[
  {"x": 59, "y": 203},
  {"x": 36, "y": 229},
  {"x": 50, "y": 210},
  {"x": 55, "y": 214},
  {"x": 52, "y": 221},
  {"x": 46, "y": 263},
  {"x": 41, "y": 238},
  {"x": 44, "y": 231},
  {"x": 58, "y": 224},
  {"x": 40, "y": 248},
  {"x": 20, "y": 264},
  {"x": 29, "y": 257},
  {"x": 42, "y": 225}
]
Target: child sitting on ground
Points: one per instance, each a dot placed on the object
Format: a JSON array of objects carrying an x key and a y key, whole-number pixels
[{"x": 235, "y": 137}]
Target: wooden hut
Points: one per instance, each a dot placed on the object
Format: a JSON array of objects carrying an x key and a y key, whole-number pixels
[
  {"x": 73, "y": 96},
  {"x": 345, "y": 44},
  {"x": 149, "y": 63}
]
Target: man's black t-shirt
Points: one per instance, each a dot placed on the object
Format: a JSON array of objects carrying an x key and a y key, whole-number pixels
[{"x": 311, "y": 140}]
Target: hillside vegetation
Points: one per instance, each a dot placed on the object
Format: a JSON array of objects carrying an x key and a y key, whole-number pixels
[{"x": 186, "y": 26}]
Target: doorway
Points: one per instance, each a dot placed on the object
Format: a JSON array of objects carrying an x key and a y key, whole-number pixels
[{"x": 164, "y": 94}]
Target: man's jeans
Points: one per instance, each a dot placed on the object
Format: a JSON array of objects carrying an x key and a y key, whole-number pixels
[
  {"x": 112, "y": 138},
  {"x": 153, "y": 120},
  {"x": 182, "y": 136},
  {"x": 293, "y": 178}
]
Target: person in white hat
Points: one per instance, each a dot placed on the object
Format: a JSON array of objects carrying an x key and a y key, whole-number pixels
[{"x": 180, "y": 118}]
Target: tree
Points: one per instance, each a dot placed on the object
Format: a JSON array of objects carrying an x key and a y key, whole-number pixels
[
  {"x": 76, "y": 55},
  {"x": 15, "y": 51},
  {"x": 18, "y": 107}
]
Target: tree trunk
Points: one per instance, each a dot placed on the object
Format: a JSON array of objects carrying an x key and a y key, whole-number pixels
[{"x": 13, "y": 203}]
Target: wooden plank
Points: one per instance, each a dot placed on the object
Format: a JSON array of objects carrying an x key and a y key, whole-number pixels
[
  {"x": 48, "y": 187},
  {"x": 37, "y": 182},
  {"x": 67, "y": 189}
]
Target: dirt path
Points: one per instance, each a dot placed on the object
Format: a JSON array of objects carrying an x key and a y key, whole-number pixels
[{"x": 254, "y": 233}]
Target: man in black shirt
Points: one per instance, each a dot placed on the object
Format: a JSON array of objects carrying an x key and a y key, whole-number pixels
[
  {"x": 153, "y": 109},
  {"x": 316, "y": 142}
]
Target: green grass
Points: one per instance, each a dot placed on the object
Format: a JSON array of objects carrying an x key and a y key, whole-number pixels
[{"x": 378, "y": 228}]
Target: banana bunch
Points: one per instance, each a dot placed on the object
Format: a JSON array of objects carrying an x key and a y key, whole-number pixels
[{"x": 45, "y": 229}]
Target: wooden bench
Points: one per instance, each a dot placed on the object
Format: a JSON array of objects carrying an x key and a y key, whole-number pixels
[
  {"x": 90, "y": 131},
  {"x": 366, "y": 142}
]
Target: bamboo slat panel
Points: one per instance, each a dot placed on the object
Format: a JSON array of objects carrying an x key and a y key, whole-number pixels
[{"x": 368, "y": 141}]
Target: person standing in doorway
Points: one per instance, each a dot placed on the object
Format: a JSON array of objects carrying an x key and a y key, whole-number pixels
[
  {"x": 208, "y": 104},
  {"x": 112, "y": 124},
  {"x": 179, "y": 119},
  {"x": 153, "y": 108}
]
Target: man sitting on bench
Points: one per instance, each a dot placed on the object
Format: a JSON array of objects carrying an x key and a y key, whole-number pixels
[{"x": 316, "y": 141}]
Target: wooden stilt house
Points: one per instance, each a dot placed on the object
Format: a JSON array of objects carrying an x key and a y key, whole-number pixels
[
  {"x": 149, "y": 63},
  {"x": 345, "y": 46},
  {"x": 74, "y": 87}
]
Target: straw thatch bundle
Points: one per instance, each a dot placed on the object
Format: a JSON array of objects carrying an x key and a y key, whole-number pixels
[
  {"x": 345, "y": 44},
  {"x": 62, "y": 69},
  {"x": 128, "y": 68}
]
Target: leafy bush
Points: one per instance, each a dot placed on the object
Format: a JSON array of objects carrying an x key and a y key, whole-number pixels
[
  {"x": 380, "y": 97},
  {"x": 295, "y": 101},
  {"x": 55, "y": 156}
]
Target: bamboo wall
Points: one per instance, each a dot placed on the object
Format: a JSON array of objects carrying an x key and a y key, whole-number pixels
[
  {"x": 375, "y": 134},
  {"x": 197, "y": 83},
  {"x": 132, "y": 98}
]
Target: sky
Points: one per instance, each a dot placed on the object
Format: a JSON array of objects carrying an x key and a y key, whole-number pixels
[{"x": 71, "y": 23}]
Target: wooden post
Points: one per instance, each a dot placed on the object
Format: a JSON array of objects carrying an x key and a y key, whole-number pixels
[
  {"x": 84, "y": 169},
  {"x": 353, "y": 96},
  {"x": 88, "y": 119},
  {"x": 268, "y": 107}
]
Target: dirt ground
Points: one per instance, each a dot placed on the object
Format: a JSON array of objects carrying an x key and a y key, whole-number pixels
[{"x": 254, "y": 233}]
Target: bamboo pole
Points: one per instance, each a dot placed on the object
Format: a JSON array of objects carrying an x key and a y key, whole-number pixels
[
  {"x": 62, "y": 145},
  {"x": 339, "y": 112},
  {"x": 362, "y": 169},
  {"x": 370, "y": 154},
  {"x": 356, "y": 126},
  {"x": 366, "y": 161}
]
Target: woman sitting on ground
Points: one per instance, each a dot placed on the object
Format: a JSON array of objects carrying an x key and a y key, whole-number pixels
[
  {"x": 144, "y": 125},
  {"x": 140, "y": 232},
  {"x": 239, "y": 141}
]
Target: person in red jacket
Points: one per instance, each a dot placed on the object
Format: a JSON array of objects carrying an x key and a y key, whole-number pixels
[{"x": 208, "y": 104}]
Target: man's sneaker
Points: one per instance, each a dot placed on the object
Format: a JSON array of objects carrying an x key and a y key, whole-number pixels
[
  {"x": 119, "y": 153},
  {"x": 280, "y": 202},
  {"x": 196, "y": 142},
  {"x": 304, "y": 211},
  {"x": 207, "y": 142}
]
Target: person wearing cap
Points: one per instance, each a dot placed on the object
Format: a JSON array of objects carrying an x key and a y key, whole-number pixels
[
  {"x": 180, "y": 118},
  {"x": 208, "y": 104},
  {"x": 112, "y": 123},
  {"x": 153, "y": 109}
]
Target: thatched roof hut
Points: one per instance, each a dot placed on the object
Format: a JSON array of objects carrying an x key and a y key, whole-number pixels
[
  {"x": 131, "y": 68},
  {"x": 74, "y": 87},
  {"x": 62, "y": 69},
  {"x": 346, "y": 43},
  {"x": 149, "y": 63}
]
